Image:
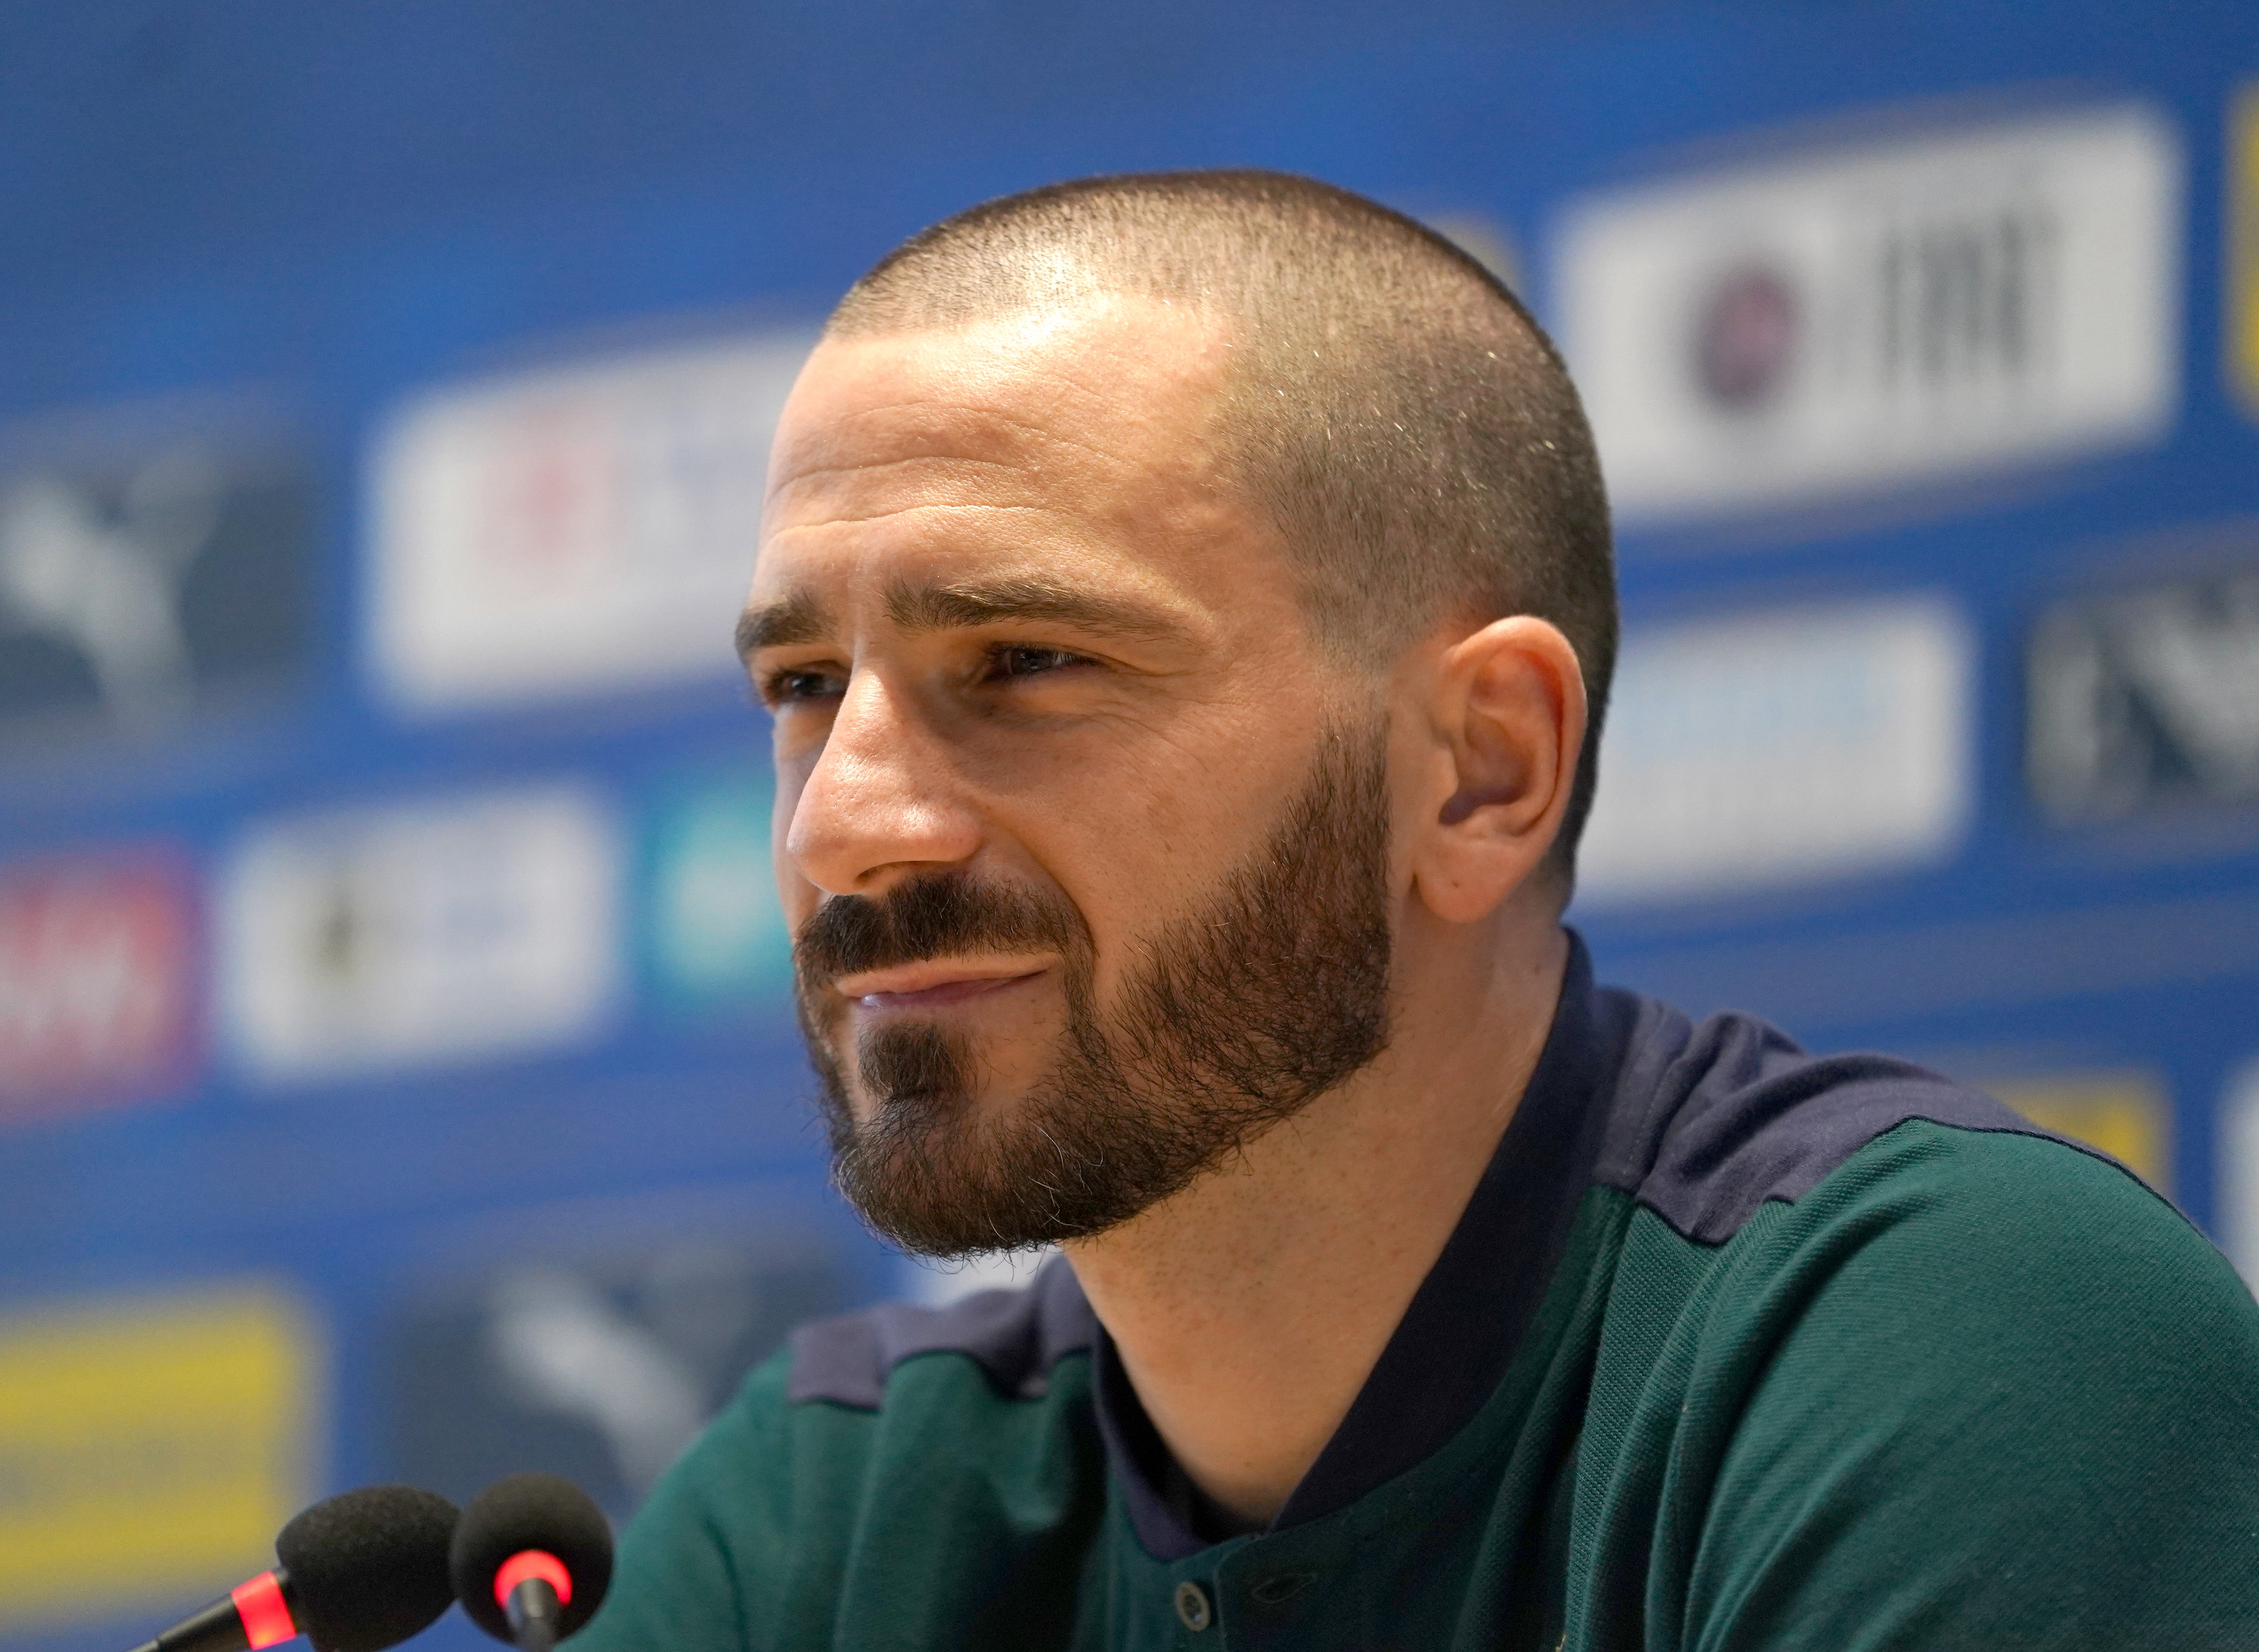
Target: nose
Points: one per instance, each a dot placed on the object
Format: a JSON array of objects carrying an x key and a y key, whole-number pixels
[{"x": 879, "y": 804}]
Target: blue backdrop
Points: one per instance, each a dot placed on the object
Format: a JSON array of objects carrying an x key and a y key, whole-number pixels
[{"x": 525, "y": 1177}]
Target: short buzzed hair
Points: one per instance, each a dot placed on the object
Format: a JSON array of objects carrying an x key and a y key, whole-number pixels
[{"x": 1391, "y": 407}]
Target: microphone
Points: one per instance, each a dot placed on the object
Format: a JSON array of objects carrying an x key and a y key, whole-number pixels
[
  {"x": 360, "y": 1571},
  {"x": 532, "y": 1559}
]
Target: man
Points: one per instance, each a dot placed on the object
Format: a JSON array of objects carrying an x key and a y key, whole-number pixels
[{"x": 1185, "y": 606}]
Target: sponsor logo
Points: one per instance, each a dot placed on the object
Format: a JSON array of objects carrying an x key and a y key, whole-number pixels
[
  {"x": 141, "y": 584},
  {"x": 474, "y": 926},
  {"x": 1746, "y": 338},
  {"x": 2125, "y": 1114},
  {"x": 601, "y": 1369},
  {"x": 149, "y": 1450},
  {"x": 2241, "y": 300},
  {"x": 716, "y": 932},
  {"x": 97, "y": 966},
  {"x": 2146, "y": 697},
  {"x": 1779, "y": 748},
  {"x": 572, "y": 531},
  {"x": 1846, "y": 322}
]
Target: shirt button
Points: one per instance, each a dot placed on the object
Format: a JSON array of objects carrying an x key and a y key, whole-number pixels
[{"x": 1193, "y": 1608}]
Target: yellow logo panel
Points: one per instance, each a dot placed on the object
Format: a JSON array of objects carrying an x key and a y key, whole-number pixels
[
  {"x": 149, "y": 1450},
  {"x": 2125, "y": 1114},
  {"x": 2240, "y": 304}
]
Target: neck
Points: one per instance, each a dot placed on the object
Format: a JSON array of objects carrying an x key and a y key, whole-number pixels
[{"x": 1250, "y": 1308}]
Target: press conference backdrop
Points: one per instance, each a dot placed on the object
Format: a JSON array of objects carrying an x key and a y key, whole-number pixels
[{"x": 397, "y": 1076}]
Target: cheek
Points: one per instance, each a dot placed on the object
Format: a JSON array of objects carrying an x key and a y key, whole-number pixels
[
  {"x": 1421, "y": 782},
  {"x": 1155, "y": 842}
]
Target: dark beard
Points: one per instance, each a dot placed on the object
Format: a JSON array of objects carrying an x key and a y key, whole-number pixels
[{"x": 1273, "y": 992}]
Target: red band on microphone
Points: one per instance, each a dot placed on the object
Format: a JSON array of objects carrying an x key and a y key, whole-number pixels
[
  {"x": 265, "y": 1615},
  {"x": 532, "y": 1563}
]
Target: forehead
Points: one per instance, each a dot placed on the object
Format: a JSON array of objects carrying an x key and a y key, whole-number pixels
[{"x": 1079, "y": 443}]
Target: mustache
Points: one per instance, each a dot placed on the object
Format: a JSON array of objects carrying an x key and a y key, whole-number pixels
[{"x": 936, "y": 915}]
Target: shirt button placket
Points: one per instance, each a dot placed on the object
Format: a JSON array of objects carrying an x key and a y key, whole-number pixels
[{"x": 1193, "y": 1610}]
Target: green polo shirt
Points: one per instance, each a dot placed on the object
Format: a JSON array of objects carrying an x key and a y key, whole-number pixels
[{"x": 1733, "y": 1347}]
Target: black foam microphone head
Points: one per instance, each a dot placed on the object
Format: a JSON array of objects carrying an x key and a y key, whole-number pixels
[
  {"x": 539, "y": 1511},
  {"x": 369, "y": 1568}
]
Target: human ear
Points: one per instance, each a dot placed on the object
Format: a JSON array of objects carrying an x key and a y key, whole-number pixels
[{"x": 1507, "y": 715}]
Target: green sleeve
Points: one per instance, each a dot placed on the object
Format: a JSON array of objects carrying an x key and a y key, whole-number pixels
[{"x": 1993, "y": 1393}]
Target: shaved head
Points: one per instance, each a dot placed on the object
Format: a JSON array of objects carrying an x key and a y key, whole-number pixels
[{"x": 1390, "y": 408}]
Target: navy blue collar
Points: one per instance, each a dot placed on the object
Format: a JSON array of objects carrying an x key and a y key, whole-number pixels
[{"x": 1464, "y": 1322}]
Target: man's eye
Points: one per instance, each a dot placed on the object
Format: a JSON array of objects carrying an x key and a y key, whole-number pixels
[
  {"x": 1019, "y": 660},
  {"x": 788, "y": 687}
]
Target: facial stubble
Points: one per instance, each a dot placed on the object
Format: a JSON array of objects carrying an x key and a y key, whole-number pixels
[{"x": 1271, "y": 993}]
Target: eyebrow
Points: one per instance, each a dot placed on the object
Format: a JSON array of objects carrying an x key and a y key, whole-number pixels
[
  {"x": 967, "y": 603},
  {"x": 963, "y": 603},
  {"x": 798, "y": 618}
]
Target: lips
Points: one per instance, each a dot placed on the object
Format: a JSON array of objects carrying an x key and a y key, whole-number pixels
[{"x": 927, "y": 988}]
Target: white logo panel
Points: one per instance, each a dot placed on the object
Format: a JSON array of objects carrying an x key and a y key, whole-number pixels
[
  {"x": 573, "y": 530},
  {"x": 477, "y": 926},
  {"x": 1781, "y": 748},
  {"x": 1933, "y": 306},
  {"x": 2144, "y": 698}
]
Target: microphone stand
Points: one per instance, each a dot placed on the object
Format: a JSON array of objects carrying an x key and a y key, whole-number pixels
[
  {"x": 532, "y": 1613},
  {"x": 255, "y": 1615},
  {"x": 217, "y": 1628}
]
